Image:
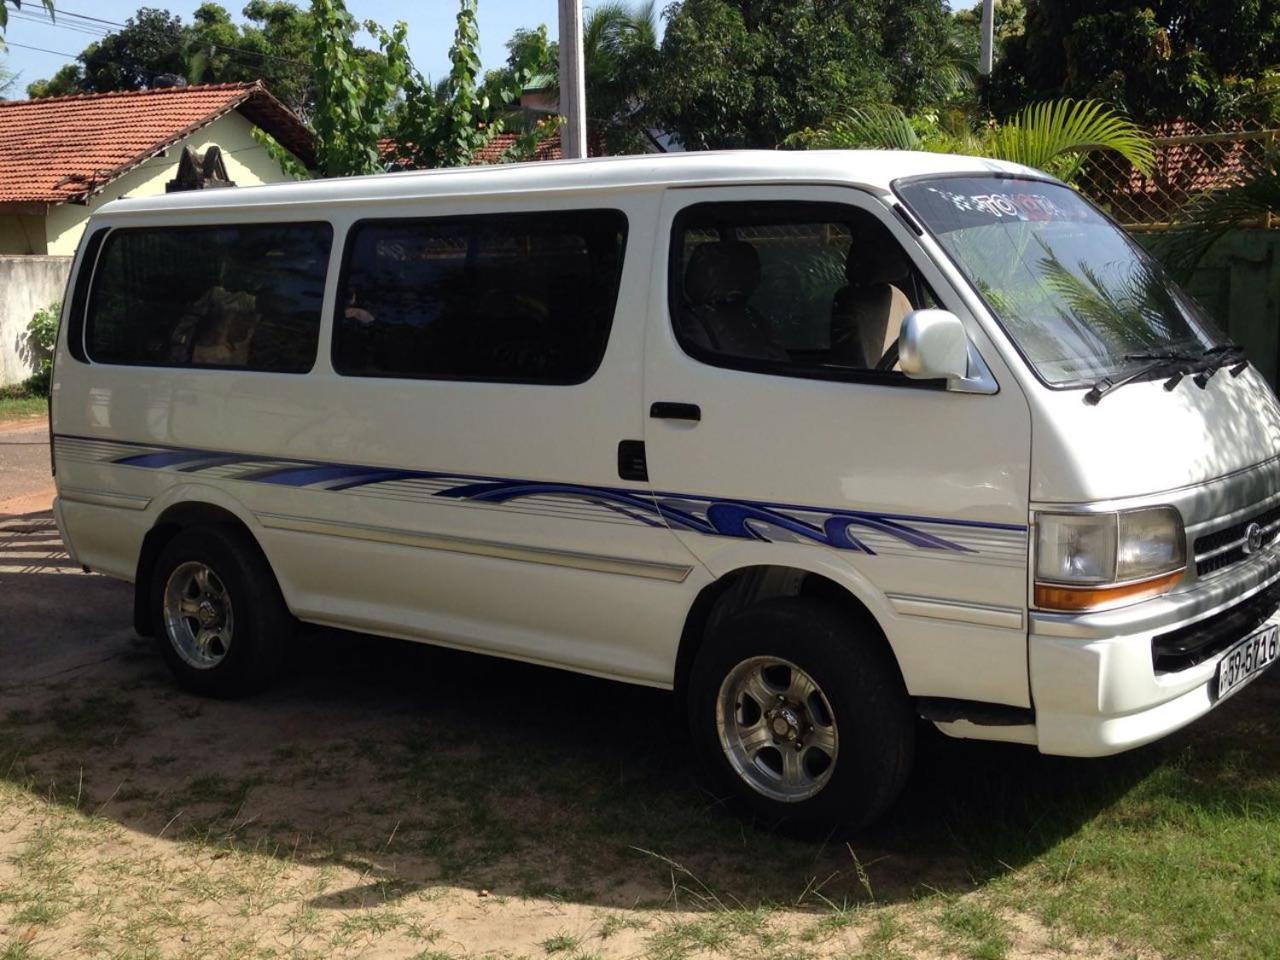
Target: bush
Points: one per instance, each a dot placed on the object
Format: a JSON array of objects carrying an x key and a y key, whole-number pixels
[{"x": 43, "y": 334}]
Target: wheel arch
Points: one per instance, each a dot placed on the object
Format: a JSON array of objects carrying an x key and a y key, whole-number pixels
[
  {"x": 739, "y": 587},
  {"x": 183, "y": 510}
]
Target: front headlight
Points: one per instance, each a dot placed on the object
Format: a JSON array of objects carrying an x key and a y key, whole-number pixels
[{"x": 1086, "y": 561}]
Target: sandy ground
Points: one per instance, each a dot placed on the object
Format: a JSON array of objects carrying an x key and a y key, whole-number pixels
[{"x": 24, "y": 466}]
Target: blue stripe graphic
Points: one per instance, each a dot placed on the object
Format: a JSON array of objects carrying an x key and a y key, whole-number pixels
[{"x": 712, "y": 516}]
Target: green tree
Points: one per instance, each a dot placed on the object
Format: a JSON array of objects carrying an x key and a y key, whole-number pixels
[
  {"x": 448, "y": 125},
  {"x": 620, "y": 60},
  {"x": 1153, "y": 60},
  {"x": 149, "y": 44},
  {"x": 7, "y": 79},
  {"x": 531, "y": 55},
  {"x": 353, "y": 98},
  {"x": 69, "y": 79},
  {"x": 274, "y": 46},
  {"x": 748, "y": 73}
]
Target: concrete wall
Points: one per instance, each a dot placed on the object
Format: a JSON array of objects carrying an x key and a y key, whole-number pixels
[
  {"x": 26, "y": 285},
  {"x": 247, "y": 162}
]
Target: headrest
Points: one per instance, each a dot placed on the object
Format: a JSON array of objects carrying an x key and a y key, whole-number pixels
[
  {"x": 722, "y": 271},
  {"x": 876, "y": 260}
]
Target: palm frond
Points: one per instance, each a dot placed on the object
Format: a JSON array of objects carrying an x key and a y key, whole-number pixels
[
  {"x": 881, "y": 126},
  {"x": 1058, "y": 134}
]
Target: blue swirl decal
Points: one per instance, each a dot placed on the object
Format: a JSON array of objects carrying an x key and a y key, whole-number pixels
[{"x": 850, "y": 530}]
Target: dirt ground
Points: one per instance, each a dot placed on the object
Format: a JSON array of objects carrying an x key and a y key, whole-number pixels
[{"x": 24, "y": 460}]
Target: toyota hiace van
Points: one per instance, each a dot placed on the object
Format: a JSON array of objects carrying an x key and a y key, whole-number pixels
[{"x": 824, "y": 442}]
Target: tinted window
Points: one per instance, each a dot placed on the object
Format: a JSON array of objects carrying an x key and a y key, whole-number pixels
[
  {"x": 246, "y": 297},
  {"x": 524, "y": 298},
  {"x": 802, "y": 289}
]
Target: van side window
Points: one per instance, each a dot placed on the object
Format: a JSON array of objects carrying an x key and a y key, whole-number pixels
[
  {"x": 236, "y": 296},
  {"x": 518, "y": 298},
  {"x": 794, "y": 288}
]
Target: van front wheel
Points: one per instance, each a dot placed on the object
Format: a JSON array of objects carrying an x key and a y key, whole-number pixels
[
  {"x": 221, "y": 623},
  {"x": 800, "y": 714}
]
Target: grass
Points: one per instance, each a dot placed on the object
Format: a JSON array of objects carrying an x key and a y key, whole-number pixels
[
  {"x": 21, "y": 407},
  {"x": 974, "y": 930}
]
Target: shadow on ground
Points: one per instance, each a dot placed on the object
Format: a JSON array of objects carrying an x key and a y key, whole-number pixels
[{"x": 420, "y": 766}]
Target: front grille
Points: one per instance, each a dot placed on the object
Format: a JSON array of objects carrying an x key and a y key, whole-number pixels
[
  {"x": 1187, "y": 646},
  {"x": 1231, "y": 538}
]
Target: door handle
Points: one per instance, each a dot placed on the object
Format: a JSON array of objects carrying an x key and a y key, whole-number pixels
[{"x": 665, "y": 410}]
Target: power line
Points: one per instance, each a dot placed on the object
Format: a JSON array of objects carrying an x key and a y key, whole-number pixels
[{"x": 56, "y": 53}]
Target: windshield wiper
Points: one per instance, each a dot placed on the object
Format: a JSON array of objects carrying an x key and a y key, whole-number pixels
[{"x": 1178, "y": 364}]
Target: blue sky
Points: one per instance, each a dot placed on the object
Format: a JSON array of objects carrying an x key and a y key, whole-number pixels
[{"x": 430, "y": 28}]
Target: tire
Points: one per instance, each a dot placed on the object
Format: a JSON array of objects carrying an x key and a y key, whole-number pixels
[
  {"x": 856, "y": 736},
  {"x": 248, "y": 626}
]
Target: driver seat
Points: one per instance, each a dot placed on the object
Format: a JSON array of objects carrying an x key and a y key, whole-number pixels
[{"x": 867, "y": 314}]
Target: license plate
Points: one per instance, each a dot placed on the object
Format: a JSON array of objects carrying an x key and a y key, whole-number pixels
[{"x": 1246, "y": 660}]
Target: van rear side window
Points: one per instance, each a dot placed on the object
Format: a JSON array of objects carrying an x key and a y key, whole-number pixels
[
  {"x": 239, "y": 296},
  {"x": 517, "y": 298}
]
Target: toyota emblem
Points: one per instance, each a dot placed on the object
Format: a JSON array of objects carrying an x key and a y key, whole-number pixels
[{"x": 1252, "y": 538}]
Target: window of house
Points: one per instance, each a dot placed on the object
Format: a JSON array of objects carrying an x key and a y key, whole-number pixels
[
  {"x": 242, "y": 296},
  {"x": 795, "y": 288},
  {"x": 519, "y": 298}
]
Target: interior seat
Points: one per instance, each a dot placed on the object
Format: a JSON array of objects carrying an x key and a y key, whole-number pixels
[
  {"x": 867, "y": 314},
  {"x": 718, "y": 281}
]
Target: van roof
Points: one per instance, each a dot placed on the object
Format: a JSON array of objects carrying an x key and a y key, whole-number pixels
[{"x": 872, "y": 169}]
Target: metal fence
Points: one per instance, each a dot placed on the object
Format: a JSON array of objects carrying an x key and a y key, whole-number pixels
[{"x": 1189, "y": 161}]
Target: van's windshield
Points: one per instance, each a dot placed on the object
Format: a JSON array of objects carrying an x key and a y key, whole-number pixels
[{"x": 1080, "y": 298}]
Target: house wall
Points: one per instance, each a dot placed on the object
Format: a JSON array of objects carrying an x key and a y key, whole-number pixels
[
  {"x": 21, "y": 233},
  {"x": 28, "y": 283},
  {"x": 247, "y": 162}
]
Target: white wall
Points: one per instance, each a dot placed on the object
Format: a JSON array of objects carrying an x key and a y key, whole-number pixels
[
  {"x": 247, "y": 162},
  {"x": 26, "y": 285}
]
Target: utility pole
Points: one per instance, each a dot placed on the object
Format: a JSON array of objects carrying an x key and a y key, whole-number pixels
[
  {"x": 573, "y": 84},
  {"x": 986, "y": 53}
]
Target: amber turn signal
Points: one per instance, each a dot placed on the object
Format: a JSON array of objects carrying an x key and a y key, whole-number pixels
[{"x": 1051, "y": 596}]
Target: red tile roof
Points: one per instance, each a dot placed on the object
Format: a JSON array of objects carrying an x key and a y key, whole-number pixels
[
  {"x": 57, "y": 149},
  {"x": 491, "y": 152}
]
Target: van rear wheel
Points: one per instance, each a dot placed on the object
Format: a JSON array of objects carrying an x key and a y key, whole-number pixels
[
  {"x": 800, "y": 715},
  {"x": 222, "y": 625}
]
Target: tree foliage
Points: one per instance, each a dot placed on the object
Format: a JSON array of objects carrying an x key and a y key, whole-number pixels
[
  {"x": 353, "y": 98},
  {"x": 1153, "y": 60},
  {"x": 272, "y": 45},
  {"x": 444, "y": 125},
  {"x": 149, "y": 45},
  {"x": 1055, "y": 135},
  {"x": 4, "y": 13},
  {"x": 748, "y": 73},
  {"x": 620, "y": 61}
]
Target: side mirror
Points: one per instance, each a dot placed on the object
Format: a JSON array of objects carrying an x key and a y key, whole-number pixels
[{"x": 932, "y": 345}]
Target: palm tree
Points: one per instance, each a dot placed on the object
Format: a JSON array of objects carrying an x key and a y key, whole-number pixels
[
  {"x": 1056, "y": 136},
  {"x": 619, "y": 53}
]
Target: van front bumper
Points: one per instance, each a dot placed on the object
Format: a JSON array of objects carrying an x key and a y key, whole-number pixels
[{"x": 1095, "y": 681}]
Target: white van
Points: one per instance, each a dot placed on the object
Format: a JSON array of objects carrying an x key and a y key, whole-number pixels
[{"x": 824, "y": 442}]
